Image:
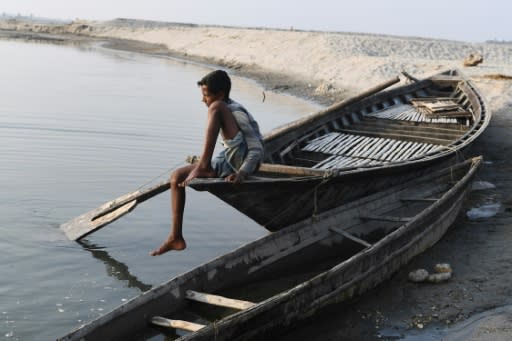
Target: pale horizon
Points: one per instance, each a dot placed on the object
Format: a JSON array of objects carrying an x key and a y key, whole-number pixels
[{"x": 453, "y": 20}]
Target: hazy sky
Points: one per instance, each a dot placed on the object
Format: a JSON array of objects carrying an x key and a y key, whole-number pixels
[{"x": 467, "y": 20}]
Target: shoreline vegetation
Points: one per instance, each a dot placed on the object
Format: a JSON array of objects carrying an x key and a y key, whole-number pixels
[{"x": 327, "y": 67}]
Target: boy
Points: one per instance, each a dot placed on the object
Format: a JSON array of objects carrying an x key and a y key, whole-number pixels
[{"x": 242, "y": 155}]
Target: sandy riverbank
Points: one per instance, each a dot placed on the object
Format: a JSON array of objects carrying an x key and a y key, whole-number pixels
[
  {"x": 328, "y": 67},
  {"x": 321, "y": 65}
]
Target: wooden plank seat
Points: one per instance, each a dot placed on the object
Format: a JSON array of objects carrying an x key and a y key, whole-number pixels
[
  {"x": 218, "y": 300},
  {"x": 350, "y": 236},
  {"x": 176, "y": 324},
  {"x": 204, "y": 298}
]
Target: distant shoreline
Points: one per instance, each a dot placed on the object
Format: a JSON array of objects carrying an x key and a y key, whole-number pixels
[{"x": 322, "y": 66}]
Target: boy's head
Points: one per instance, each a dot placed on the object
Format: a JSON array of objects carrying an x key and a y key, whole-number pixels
[{"x": 217, "y": 81}]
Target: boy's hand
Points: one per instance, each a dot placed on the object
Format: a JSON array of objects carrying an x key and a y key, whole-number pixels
[
  {"x": 236, "y": 178},
  {"x": 197, "y": 172}
]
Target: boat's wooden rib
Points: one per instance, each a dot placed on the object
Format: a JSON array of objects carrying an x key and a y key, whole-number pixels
[
  {"x": 333, "y": 258},
  {"x": 385, "y": 218},
  {"x": 350, "y": 236}
]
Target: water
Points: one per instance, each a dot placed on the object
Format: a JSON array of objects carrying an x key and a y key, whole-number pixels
[{"x": 81, "y": 125}]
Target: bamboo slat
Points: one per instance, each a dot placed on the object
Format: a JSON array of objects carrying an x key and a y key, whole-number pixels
[{"x": 356, "y": 150}]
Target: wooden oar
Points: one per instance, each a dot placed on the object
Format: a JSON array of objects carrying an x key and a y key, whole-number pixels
[{"x": 95, "y": 219}]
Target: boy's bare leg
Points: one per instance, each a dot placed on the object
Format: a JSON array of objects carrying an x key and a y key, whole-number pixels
[
  {"x": 175, "y": 239},
  {"x": 182, "y": 177}
]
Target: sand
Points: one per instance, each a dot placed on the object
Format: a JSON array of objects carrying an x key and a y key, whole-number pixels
[{"x": 327, "y": 67}]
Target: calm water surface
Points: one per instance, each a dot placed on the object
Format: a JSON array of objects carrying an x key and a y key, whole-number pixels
[{"x": 80, "y": 126}]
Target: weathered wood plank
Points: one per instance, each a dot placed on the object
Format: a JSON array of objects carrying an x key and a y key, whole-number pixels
[
  {"x": 419, "y": 199},
  {"x": 350, "y": 236},
  {"x": 220, "y": 301},
  {"x": 385, "y": 218},
  {"x": 97, "y": 218},
  {"x": 85, "y": 225},
  {"x": 176, "y": 324},
  {"x": 289, "y": 170}
]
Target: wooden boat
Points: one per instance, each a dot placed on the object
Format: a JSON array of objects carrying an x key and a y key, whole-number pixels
[
  {"x": 359, "y": 146},
  {"x": 289, "y": 275}
]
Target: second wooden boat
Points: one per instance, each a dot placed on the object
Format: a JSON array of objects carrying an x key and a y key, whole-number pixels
[{"x": 289, "y": 275}]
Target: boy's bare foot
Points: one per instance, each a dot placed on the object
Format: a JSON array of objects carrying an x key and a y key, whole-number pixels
[{"x": 177, "y": 244}]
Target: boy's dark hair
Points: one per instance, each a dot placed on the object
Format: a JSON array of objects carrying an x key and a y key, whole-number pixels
[{"x": 217, "y": 81}]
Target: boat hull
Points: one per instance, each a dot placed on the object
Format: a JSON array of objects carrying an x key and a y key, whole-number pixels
[{"x": 278, "y": 203}]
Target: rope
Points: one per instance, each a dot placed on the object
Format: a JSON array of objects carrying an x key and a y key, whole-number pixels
[
  {"x": 215, "y": 330},
  {"x": 326, "y": 177},
  {"x": 329, "y": 174}
]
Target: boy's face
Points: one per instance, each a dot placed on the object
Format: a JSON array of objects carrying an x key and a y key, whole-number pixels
[{"x": 208, "y": 97}]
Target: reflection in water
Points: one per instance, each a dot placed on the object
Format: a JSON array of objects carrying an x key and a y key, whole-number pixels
[{"x": 115, "y": 268}]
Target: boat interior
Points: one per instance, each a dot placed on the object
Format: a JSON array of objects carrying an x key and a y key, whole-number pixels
[{"x": 406, "y": 125}]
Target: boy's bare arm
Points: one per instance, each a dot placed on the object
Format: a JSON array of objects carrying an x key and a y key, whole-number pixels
[
  {"x": 211, "y": 135},
  {"x": 203, "y": 168}
]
